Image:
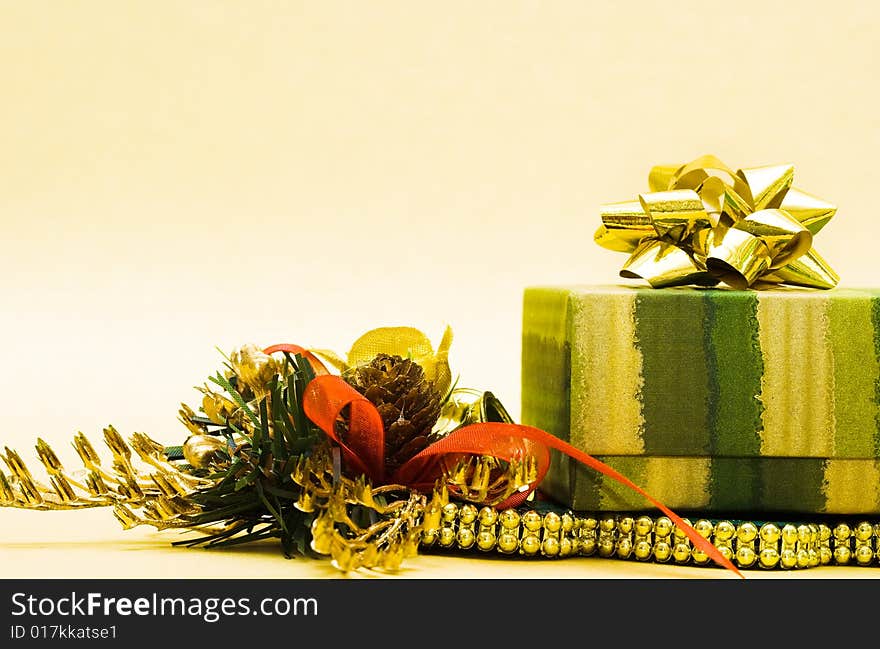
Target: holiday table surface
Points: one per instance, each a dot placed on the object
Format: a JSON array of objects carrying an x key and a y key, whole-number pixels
[{"x": 90, "y": 544}]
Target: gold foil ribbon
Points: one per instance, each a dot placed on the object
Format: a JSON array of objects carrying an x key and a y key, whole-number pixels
[{"x": 702, "y": 224}]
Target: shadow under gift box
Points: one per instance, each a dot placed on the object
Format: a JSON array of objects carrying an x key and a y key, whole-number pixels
[{"x": 709, "y": 399}]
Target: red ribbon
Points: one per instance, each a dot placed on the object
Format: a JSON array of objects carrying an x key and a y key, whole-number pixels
[
  {"x": 317, "y": 366},
  {"x": 328, "y": 395}
]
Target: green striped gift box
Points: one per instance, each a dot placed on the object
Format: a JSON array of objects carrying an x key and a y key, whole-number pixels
[{"x": 761, "y": 399}]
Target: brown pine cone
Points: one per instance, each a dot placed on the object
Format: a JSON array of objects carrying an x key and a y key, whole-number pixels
[{"x": 407, "y": 402}]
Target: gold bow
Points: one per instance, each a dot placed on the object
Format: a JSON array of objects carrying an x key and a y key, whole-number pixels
[{"x": 703, "y": 224}]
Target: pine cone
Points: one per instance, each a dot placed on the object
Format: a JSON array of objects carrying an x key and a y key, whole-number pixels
[{"x": 407, "y": 402}]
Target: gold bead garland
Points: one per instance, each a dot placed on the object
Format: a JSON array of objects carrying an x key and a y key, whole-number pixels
[{"x": 558, "y": 534}]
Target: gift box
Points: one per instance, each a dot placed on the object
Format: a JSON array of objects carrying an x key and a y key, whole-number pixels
[{"x": 711, "y": 399}]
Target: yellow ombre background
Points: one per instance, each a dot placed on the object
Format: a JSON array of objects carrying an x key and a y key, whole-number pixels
[{"x": 180, "y": 176}]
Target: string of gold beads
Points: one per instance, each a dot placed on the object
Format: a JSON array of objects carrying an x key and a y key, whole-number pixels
[{"x": 557, "y": 534}]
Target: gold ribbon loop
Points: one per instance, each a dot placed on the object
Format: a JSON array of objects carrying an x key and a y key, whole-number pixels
[
  {"x": 785, "y": 238},
  {"x": 663, "y": 265},
  {"x": 702, "y": 223},
  {"x": 676, "y": 215},
  {"x": 811, "y": 212},
  {"x": 766, "y": 186},
  {"x": 811, "y": 271},
  {"x": 739, "y": 260},
  {"x": 624, "y": 225}
]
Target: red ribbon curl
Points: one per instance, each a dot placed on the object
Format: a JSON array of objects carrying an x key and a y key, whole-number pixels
[
  {"x": 328, "y": 395},
  {"x": 317, "y": 366}
]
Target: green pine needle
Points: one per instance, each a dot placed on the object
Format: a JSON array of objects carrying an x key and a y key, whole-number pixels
[{"x": 254, "y": 495}]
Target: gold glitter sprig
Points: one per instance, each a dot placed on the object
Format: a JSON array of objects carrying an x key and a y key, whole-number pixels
[{"x": 140, "y": 479}]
